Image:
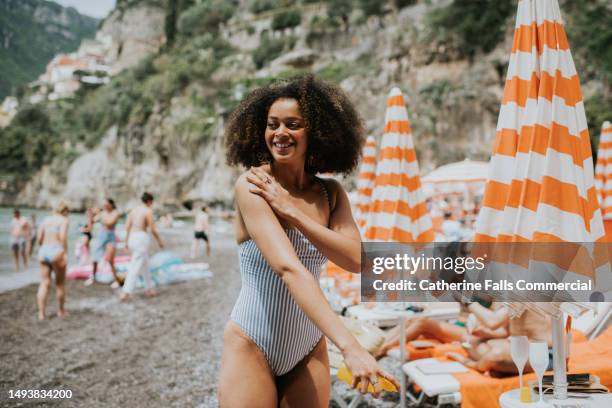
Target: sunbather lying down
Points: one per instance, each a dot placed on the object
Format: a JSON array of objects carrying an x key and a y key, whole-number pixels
[{"x": 489, "y": 348}]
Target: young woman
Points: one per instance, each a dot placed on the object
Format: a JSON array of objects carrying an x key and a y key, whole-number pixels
[
  {"x": 52, "y": 256},
  {"x": 106, "y": 241},
  {"x": 288, "y": 223}
]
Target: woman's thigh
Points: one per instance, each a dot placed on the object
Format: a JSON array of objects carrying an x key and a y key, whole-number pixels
[
  {"x": 110, "y": 252},
  {"x": 245, "y": 379},
  {"x": 308, "y": 384}
]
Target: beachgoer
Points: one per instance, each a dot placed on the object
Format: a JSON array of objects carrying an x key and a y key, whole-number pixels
[
  {"x": 106, "y": 241},
  {"x": 492, "y": 323},
  {"x": 451, "y": 228},
  {"x": 288, "y": 223},
  {"x": 139, "y": 222},
  {"x": 494, "y": 355},
  {"x": 34, "y": 232},
  {"x": 20, "y": 235},
  {"x": 201, "y": 232},
  {"x": 52, "y": 257}
]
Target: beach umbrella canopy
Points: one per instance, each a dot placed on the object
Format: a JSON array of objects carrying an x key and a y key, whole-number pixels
[
  {"x": 456, "y": 178},
  {"x": 365, "y": 182},
  {"x": 541, "y": 185},
  {"x": 603, "y": 171},
  {"x": 397, "y": 211}
]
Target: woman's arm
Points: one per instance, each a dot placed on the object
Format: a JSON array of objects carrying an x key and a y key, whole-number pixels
[
  {"x": 64, "y": 234},
  {"x": 491, "y": 319},
  {"x": 340, "y": 243},
  {"x": 265, "y": 230}
]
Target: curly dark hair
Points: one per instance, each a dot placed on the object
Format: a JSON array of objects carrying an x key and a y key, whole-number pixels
[{"x": 334, "y": 129}]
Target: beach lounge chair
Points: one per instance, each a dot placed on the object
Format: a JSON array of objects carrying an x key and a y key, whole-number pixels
[{"x": 473, "y": 389}]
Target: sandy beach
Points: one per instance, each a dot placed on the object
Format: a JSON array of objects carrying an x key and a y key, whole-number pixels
[{"x": 163, "y": 351}]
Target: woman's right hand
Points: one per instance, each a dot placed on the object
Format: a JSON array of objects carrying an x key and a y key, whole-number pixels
[{"x": 365, "y": 369}]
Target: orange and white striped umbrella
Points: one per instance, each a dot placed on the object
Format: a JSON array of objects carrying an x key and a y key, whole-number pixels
[
  {"x": 603, "y": 171},
  {"x": 365, "y": 182},
  {"x": 541, "y": 184},
  {"x": 398, "y": 211}
]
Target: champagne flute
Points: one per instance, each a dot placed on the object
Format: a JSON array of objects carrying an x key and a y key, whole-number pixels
[
  {"x": 538, "y": 358},
  {"x": 519, "y": 349}
]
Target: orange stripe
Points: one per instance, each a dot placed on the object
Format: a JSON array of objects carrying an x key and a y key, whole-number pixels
[
  {"x": 397, "y": 126},
  {"x": 605, "y": 145},
  {"x": 519, "y": 90},
  {"x": 396, "y": 100},
  {"x": 367, "y": 175},
  {"x": 397, "y": 234},
  {"x": 529, "y": 194},
  {"x": 539, "y": 138},
  {"x": 398, "y": 207},
  {"x": 365, "y": 191},
  {"x": 548, "y": 33},
  {"x": 401, "y": 153},
  {"x": 394, "y": 179},
  {"x": 495, "y": 195}
]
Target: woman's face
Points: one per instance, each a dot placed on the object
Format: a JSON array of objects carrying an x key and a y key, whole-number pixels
[
  {"x": 285, "y": 131},
  {"x": 107, "y": 206}
]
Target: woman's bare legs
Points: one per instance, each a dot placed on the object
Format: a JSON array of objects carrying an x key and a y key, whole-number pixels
[
  {"x": 43, "y": 290},
  {"x": 59, "y": 267},
  {"x": 110, "y": 257},
  {"x": 493, "y": 355},
  {"x": 245, "y": 379},
  {"x": 307, "y": 385},
  {"x": 442, "y": 331}
]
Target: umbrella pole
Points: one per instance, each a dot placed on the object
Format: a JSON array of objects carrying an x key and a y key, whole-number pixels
[
  {"x": 560, "y": 375},
  {"x": 402, "y": 328}
]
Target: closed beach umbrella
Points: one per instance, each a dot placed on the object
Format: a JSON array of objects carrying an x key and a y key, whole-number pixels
[
  {"x": 365, "y": 182},
  {"x": 603, "y": 176},
  {"x": 541, "y": 183},
  {"x": 397, "y": 211}
]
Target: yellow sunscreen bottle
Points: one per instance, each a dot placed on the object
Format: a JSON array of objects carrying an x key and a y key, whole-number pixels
[{"x": 345, "y": 375}]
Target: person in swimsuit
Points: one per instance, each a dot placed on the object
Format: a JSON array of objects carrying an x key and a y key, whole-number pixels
[
  {"x": 52, "y": 256},
  {"x": 106, "y": 241},
  {"x": 139, "y": 222},
  {"x": 288, "y": 223},
  {"x": 20, "y": 234},
  {"x": 200, "y": 232}
]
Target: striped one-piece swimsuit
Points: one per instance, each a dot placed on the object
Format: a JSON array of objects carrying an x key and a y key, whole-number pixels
[{"x": 266, "y": 311}]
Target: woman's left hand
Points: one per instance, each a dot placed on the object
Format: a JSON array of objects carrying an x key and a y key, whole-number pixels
[{"x": 277, "y": 197}]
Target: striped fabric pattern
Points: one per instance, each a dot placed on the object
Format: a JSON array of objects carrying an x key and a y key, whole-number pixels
[
  {"x": 266, "y": 311},
  {"x": 365, "y": 182},
  {"x": 398, "y": 211},
  {"x": 541, "y": 185},
  {"x": 603, "y": 171}
]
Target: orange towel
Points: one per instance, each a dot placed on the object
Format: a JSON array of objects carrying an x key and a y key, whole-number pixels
[{"x": 595, "y": 357}]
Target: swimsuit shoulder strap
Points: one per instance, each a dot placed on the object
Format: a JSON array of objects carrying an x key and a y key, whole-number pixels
[{"x": 326, "y": 192}]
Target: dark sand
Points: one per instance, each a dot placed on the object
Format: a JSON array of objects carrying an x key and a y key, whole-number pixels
[
  {"x": 158, "y": 352},
  {"x": 164, "y": 351}
]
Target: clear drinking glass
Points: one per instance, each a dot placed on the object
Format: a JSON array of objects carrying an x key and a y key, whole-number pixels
[
  {"x": 538, "y": 358},
  {"x": 519, "y": 349}
]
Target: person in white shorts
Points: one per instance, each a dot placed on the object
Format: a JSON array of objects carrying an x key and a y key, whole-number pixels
[{"x": 139, "y": 222}]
